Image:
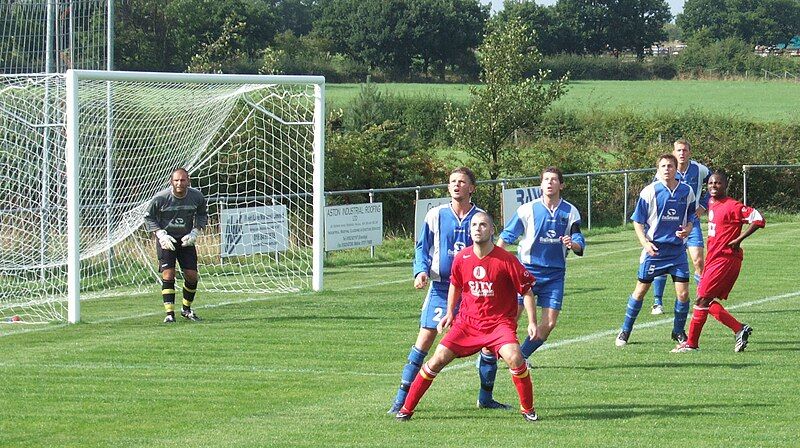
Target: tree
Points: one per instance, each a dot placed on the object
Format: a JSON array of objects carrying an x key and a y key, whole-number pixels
[
  {"x": 763, "y": 22},
  {"x": 553, "y": 35},
  {"x": 508, "y": 101}
]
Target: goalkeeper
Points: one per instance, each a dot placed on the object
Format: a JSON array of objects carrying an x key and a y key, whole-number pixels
[{"x": 176, "y": 215}]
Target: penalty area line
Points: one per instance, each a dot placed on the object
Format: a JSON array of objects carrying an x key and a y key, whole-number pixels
[{"x": 656, "y": 323}]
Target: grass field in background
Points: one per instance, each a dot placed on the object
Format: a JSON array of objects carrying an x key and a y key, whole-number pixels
[
  {"x": 750, "y": 100},
  {"x": 322, "y": 369}
]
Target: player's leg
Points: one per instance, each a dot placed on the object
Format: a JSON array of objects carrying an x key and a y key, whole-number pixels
[
  {"x": 433, "y": 309},
  {"x": 423, "y": 380},
  {"x": 699, "y": 317},
  {"x": 487, "y": 372},
  {"x": 681, "y": 307},
  {"x": 166, "y": 265},
  {"x": 521, "y": 377},
  {"x": 659, "y": 284},
  {"x": 549, "y": 298},
  {"x": 695, "y": 247},
  {"x": 633, "y": 308},
  {"x": 721, "y": 275},
  {"x": 696, "y": 253},
  {"x": 187, "y": 258}
]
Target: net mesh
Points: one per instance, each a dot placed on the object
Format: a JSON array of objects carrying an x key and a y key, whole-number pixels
[
  {"x": 77, "y": 33},
  {"x": 249, "y": 149}
]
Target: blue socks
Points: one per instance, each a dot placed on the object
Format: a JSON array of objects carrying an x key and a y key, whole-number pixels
[
  {"x": 681, "y": 312},
  {"x": 487, "y": 371},
  {"x": 659, "y": 284},
  {"x": 529, "y": 346},
  {"x": 631, "y": 313},
  {"x": 415, "y": 359}
]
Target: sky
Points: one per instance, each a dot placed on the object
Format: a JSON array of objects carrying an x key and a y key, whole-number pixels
[{"x": 676, "y": 6}]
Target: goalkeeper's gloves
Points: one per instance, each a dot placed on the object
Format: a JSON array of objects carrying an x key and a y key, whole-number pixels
[
  {"x": 189, "y": 239},
  {"x": 167, "y": 242}
]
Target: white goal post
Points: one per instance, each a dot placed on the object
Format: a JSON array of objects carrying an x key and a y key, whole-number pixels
[{"x": 254, "y": 146}]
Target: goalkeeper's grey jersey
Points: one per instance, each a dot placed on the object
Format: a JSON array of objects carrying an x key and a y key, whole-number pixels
[{"x": 177, "y": 215}]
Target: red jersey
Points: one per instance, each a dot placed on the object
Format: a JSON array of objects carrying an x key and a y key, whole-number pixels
[
  {"x": 489, "y": 286},
  {"x": 726, "y": 217}
]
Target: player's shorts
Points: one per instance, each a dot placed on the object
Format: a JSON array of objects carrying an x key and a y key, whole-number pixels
[
  {"x": 695, "y": 238},
  {"x": 435, "y": 306},
  {"x": 465, "y": 340},
  {"x": 652, "y": 267},
  {"x": 185, "y": 256},
  {"x": 549, "y": 293},
  {"x": 719, "y": 275}
]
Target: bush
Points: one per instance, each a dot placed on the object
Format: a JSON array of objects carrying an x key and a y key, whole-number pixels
[{"x": 608, "y": 68}]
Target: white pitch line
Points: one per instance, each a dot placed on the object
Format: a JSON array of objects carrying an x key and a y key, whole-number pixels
[{"x": 655, "y": 323}]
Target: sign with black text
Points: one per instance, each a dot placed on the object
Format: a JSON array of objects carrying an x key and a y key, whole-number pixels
[
  {"x": 355, "y": 225},
  {"x": 253, "y": 230}
]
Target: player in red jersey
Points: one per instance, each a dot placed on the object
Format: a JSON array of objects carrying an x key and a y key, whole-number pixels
[
  {"x": 726, "y": 216},
  {"x": 485, "y": 279}
]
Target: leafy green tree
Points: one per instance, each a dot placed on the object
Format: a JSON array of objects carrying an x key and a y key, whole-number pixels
[
  {"x": 636, "y": 24},
  {"x": 553, "y": 35},
  {"x": 508, "y": 102},
  {"x": 758, "y": 22}
]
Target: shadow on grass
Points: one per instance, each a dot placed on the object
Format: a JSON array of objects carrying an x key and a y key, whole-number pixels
[
  {"x": 655, "y": 365},
  {"x": 626, "y": 411}
]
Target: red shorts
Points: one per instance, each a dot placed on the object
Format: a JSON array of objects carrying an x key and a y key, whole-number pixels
[
  {"x": 465, "y": 340},
  {"x": 718, "y": 278}
]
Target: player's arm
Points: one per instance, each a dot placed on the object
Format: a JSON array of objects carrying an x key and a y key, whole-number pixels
[
  {"x": 529, "y": 301},
  {"x": 648, "y": 245},
  {"x": 152, "y": 222},
  {"x": 422, "y": 256},
  {"x": 200, "y": 220},
  {"x": 574, "y": 240},
  {"x": 756, "y": 221},
  {"x": 511, "y": 232}
]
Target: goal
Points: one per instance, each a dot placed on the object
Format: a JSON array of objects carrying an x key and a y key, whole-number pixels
[{"x": 78, "y": 182}]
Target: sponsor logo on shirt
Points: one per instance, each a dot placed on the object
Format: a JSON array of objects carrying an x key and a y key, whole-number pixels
[
  {"x": 671, "y": 215},
  {"x": 551, "y": 237},
  {"x": 480, "y": 288},
  {"x": 457, "y": 247}
]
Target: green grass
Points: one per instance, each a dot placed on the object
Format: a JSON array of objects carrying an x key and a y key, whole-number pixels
[
  {"x": 321, "y": 369},
  {"x": 750, "y": 100}
]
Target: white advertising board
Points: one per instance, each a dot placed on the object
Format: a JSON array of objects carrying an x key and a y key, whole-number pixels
[
  {"x": 253, "y": 230},
  {"x": 421, "y": 209},
  {"x": 355, "y": 225},
  {"x": 514, "y": 197}
]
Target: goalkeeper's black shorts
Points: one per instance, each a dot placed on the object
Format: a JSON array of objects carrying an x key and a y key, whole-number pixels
[{"x": 185, "y": 256}]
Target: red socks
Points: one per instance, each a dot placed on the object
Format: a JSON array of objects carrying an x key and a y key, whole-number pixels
[
  {"x": 721, "y": 314},
  {"x": 522, "y": 381},
  {"x": 419, "y": 386},
  {"x": 699, "y": 317}
]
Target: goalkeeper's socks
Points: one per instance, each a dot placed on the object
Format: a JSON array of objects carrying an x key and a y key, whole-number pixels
[
  {"x": 522, "y": 381},
  {"x": 681, "y": 313},
  {"x": 530, "y": 345},
  {"x": 189, "y": 290},
  {"x": 631, "y": 313},
  {"x": 418, "y": 388},
  {"x": 415, "y": 359},
  {"x": 487, "y": 371},
  {"x": 659, "y": 284},
  {"x": 699, "y": 318},
  {"x": 168, "y": 294}
]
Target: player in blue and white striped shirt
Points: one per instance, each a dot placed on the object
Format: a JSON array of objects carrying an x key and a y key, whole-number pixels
[
  {"x": 550, "y": 228},
  {"x": 662, "y": 220},
  {"x": 445, "y": 232},
  {"x": 696, "y": 175}
]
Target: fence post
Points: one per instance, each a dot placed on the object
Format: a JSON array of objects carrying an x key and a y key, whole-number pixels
[
  {"x": 589, "y": 201},
  {"x": 625, "y": 202},
  {"x": 744, "y": 184},
  {"x": 371, "y": 200}
]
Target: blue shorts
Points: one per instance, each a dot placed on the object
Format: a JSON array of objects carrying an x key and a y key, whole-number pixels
[
  {"x": 695, "y": 238},
  {"x": 650, "y": 267},
  {"x": 549, "y": 293},
  {"x": 435, "y": 306}
]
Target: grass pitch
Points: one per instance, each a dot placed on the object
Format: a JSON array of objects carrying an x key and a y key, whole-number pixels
[{"x": 322, "y": 369}]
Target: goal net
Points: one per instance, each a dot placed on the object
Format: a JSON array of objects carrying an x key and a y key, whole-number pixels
[
  {"x": 51, "y": 36},
  {"x": 84, "y": 154}
]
